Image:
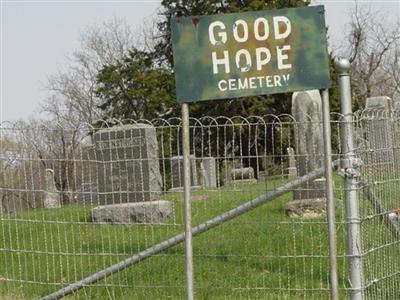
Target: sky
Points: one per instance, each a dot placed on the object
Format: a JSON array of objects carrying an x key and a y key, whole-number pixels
[{"x": 37, "y": 37}]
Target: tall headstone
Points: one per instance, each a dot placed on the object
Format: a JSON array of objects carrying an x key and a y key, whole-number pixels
[
  {"x": 208, "y": 172},
  {"x": 379, "y": 132},
  {"x": 127, "y": 164},
  {"x": 52, "y": 196},
  {"x": 177, "y": 171},
  {"x": 307, "y": 112}
]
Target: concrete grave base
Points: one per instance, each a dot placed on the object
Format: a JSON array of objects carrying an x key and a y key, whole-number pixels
[
  {"x": 180, "y": 189},
  {"x": 130, "y": 213},
  {"x": 195, "y": 198},
  {"x": 307, "y": 208},
  {"x": 239, "y": 182}
]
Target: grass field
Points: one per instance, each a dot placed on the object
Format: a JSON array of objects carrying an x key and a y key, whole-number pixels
[{"x": 260, "y": 255}]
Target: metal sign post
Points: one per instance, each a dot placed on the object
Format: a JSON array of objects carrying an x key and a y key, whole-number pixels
[
  {"x": 330, "y": 200},
  {"x": 187, "y": 204}
]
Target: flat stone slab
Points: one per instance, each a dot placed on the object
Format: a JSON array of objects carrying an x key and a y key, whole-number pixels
[
  {"x": 181, "y": 189},
  {"x": 307, "y": 208},
  {"x": 149, "y": 212}
]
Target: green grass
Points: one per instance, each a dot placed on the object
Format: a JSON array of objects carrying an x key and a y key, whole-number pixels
[{"x": 259, "y": 255}]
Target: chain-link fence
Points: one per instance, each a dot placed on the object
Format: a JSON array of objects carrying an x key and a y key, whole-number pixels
[{"x": 76, "y": 200}]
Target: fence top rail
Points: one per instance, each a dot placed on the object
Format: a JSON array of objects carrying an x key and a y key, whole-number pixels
[
  {"x": 173, "y": 122},
  {"x": 267, "y": 119}
]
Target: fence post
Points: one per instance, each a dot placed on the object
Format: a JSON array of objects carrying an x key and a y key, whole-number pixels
[
  {"x": 187, "y": 204},
  {"x": 350, "y": 167},
  {"x": 330, "y": 199}
]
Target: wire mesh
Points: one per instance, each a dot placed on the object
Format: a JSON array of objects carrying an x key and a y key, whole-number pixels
[
  {"x": 53, "y": 177},
  {"x": 379, "y": 148}
]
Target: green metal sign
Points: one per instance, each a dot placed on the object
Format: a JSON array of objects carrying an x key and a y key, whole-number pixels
[{"x": 250, "y": 53}]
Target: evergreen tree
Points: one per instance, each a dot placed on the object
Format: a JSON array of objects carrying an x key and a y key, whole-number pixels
[{"x": 135, "y": 87}]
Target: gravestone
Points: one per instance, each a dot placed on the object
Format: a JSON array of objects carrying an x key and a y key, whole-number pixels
[
  {"x": 380, "y": 102},
  {"x": 396, "y": 106},
  {"x": 240, "y": 176},
  {"x": 227, "y": 166},
  {"x": 177, "y": 171},
  {"x": 208, "y": 172},
  {"x": 307, "y": 112},
  {"x": 291, "y": 171},
  {"x": 88, "y": 193},
  {"x": 262, "y": 175},
  {"x": 152, "y": 212},
  {"x": 242, "y": 173},
  {"x": 88, "y": 190},
  {"x": 380, "y": 129},
  {"x": 52, "y": 196},
  {"x": 237, "y": 163},
  {"x": 127, "y": 164}
]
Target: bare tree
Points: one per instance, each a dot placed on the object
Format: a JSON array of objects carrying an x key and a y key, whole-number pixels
[
  {"x": 73, "y": 87},
  {"x": 373, "y": 49},
  {"x": 21, "y": 176},
  {"x": 9, "y": 153},
  {"x": 55, "y": 144}
]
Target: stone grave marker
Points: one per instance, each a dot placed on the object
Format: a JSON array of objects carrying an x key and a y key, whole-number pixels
[
  {"x": 88, "y": 189},
  {"x": 243, "y": 175},
  {"x": 127, "y": 164},
  {"x": 177, "y": 171},
  {"x": 208, "y": 172},
  {"x": 379, "y": 133},
  {"x": 380, "y": 102},
  {"x": 52, "y": 196},
  {"x": 262, "y": 175},
  {"x": 292, "y": 169},
  {"x": 307, "y": 112},
  {"x": 227, "y": 166},
  {"x": 152, "y": 212}
]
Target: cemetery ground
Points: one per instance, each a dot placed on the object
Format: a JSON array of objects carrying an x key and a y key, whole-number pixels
[{"x": 259, "y": 255}]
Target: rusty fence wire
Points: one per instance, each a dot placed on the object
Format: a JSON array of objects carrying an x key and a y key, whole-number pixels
[{"x": 76, "y": 199}]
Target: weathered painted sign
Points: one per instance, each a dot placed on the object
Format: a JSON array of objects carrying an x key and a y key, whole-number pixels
[{"x": 250, "y": 53}]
